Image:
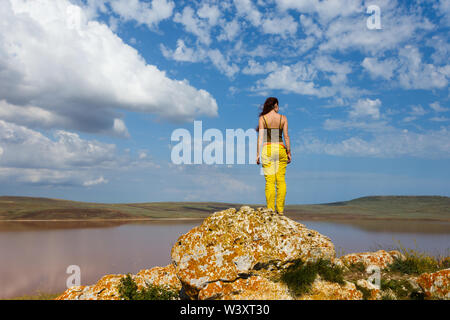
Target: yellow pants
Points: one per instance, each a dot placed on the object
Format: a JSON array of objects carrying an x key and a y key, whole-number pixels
[{"x": 274, "y": 162}]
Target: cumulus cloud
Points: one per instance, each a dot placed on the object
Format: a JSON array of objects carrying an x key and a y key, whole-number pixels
[
  {"x": 148, "y": 13},
  {"x": 26, "y": 148},
  {"x": 366, "y": 107},
  {"x": 436, "y": 106},
  {"x": 304, "y": 78},
  {"x": 65, "y": 158},
  {"x": 186, "y": 54},
  {"x": 380, "y": 69},
  {"x": 69, "y": 72},
  {"x": 392, "y": 144},
  {"x": 91, "y": 183},
  {"x": 414, "y": 73}
]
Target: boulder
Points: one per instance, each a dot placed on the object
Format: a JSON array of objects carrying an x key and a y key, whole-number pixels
[
  {"x": 325, "y": 290},
  {"x": 252, "y": 288},
  {"x": 230, "y": 245},
  {"x": 435, "y": 285},
  {"x": 107, "y": 287},
  {"x": 380, "y": 258}
]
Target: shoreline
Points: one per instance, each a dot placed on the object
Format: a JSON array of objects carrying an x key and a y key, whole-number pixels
[{"x": 308, "y": 217}]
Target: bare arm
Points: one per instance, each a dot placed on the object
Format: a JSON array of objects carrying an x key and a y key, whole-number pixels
[
  {"x": 286, "y": 136},
  {"x": 260, "y": 138}
]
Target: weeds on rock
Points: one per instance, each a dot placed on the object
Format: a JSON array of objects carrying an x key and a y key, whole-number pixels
[
  {"x": 299, "y": 276},
  {"x": 128, "y": 290}
]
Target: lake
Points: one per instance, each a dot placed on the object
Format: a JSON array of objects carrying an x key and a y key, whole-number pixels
[{"x": 34, "y": 256}]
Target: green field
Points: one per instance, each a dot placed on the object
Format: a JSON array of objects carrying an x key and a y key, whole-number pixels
[{"x": 433, "y": 208}]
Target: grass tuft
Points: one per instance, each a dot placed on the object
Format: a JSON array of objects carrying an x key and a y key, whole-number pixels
[
  {"x": 402, "y": 289},
  {"x": 417, "y": 262},
  {"x": 299, "y": 276},
  {"x": 128, "y": 290}
]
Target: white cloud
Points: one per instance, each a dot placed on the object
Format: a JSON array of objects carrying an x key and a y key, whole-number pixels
[
  {"x": 183, "y": 53},
  {"x": 26, "y": 148},
  {"x": 245, "y": 8},
  {"x": 186, "y": 54},
  {"x": 366, "y": 107},
  {"x": 283, "y": 25},
  {"x": 416, "y": 74},
  {"x": 326, "y": 9},
  {"x": 193, "y": 24},
  {"x": 230, "y": 30},
  {"x": 28, "y": 156},
  {"x": 417, "y": 110},
  {"x": 309, "y": 27},
  {"x": 221, "y": 63},
  {"x": 440, "y": 119},
  {"x": 380, "y": 69},
  {"x": 90, "y": 183},
  {"x": 255, "y": 68},
  {"x": 304, "y": 78},
  {"x": 392, "y": 144},
  {"x": 436, "y": 106},
  {"x": 211, "y": 13},
  {"x": 76, "y": 73},
  {"x": 349, "y": 31},
  {"x": 148, "y": 13}
]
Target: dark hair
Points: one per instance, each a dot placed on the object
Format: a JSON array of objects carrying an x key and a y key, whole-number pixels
[{"x": 268, "y": 106}]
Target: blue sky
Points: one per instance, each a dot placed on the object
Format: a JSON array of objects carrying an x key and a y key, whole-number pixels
[{"x": 91, "y": 91}]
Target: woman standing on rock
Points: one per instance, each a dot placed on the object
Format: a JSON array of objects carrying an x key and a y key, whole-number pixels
[{"x": 275, "y": 154}]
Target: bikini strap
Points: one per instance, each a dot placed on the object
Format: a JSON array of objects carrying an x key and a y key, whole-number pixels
[{"x": 265, "y": 122}]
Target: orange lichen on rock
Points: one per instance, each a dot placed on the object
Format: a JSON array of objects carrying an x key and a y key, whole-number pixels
[
  {"x": 325, "y": 290},
  {"x": 380, "y": 258},
  {"x": 435, "y": 285},
  {"x": 159, "y": 276},
  {"x": 234, "y": 244},
  {"x": 252, "y": 288},
  {"x": 107, "y": 287},
  {"x": 240, "y": 254}
]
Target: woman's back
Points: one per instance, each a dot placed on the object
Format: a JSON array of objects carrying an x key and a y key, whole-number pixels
[
  {"x": 273, "y": 123},
  {"x": 273, "y": 120}
]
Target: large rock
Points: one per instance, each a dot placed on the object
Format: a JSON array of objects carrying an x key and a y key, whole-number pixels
[
  {"x": 326, "y": 290},
  {"x": 230, "y": 245},
  {"x": 107, "y": 287},
  {"x": 252, "y": 288},
  {"x": 435, "y": 285},
  {"x": 381, "y": 258}
]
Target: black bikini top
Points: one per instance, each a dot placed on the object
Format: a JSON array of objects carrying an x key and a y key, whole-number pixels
[{"x": 269, "y": 131}]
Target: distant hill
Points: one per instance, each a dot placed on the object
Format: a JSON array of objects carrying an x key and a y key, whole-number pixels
[{"x": 371, "y": 207}]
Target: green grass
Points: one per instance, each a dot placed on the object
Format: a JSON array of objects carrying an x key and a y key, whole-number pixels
[
  {"x": 371, "y": 208},
  {"x": 128, "y": 290},
  {"x": 365, "y": 292},
  {"x": 417, "y": 262},
  {"x": 402, "y": 289},
  {"x": 386, "y": 207},
  {"x": 300, "y": 275},
  {"x": 37, "y": 296}
]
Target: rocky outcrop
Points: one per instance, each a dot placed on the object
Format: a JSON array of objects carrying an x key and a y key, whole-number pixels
[
  {"x": 435, "y": 285},
  {"x": 107, "y": 287},
  {"x": 240, "y": 254},
  {"x": 325, "y": 290},
  {"x": 380, "y": 258},
  {"x": 230, "y": 245}
]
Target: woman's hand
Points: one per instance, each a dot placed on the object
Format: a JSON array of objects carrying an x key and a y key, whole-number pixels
[
  {"x": 289, "y": 157},
  {"x": 257, "y": 160}
]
